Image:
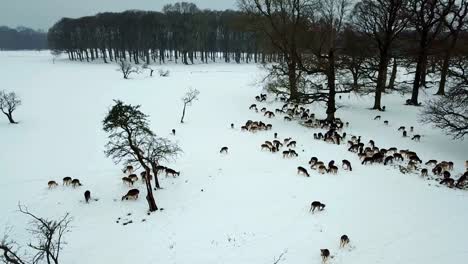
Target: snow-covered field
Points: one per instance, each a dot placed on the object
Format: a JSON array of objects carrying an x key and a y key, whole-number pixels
[{"x": 245, "y": 207}]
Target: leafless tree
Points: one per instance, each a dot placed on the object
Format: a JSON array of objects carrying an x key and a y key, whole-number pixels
[
  {"x": 127, "y": 68},
  {"x": 188, "y": 98},
  {"x": 450, "y": 112},
  {"x": 456, "y": 23},
  {"x": 382, "y": 21},
  {"x": 159, "y": 149},
  {"x": 428, "y": 20},
  {"x": 49, "y": 235},
  {"x": 8, "y": 104}
]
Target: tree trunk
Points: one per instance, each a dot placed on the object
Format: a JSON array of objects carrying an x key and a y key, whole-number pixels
[
  {"x": 183, "y": 114},
  {"x": 417, "y": 79},
  {"x": 10, "y": 118},
  {"x": 391, "y": 84},
  {"x": 155, "y": 172},
  {"x": 149, "y": 195},
  {"x": 331, "y": 107},
  {"x": 292, "y": 77},
  {"x": 380, "y": 80},
  {"x": 443, "y": 74}
]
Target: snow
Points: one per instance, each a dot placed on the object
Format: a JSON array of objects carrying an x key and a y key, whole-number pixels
[{"x": 253, "y": 206}]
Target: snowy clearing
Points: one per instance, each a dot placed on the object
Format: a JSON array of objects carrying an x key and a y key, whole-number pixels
[{"x": 248, "y": 206}]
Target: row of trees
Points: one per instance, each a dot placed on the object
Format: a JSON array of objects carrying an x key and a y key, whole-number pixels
[
  {"x": 22, "y": 38},
  {"x": 181, "y": 32}
]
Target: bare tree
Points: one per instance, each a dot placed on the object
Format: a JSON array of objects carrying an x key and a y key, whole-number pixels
[
  {"x": 49, "y": 235},
  {"x": 456, "y": 23},
  {"x": 450, "y": 112},
  {"x": 128, "y": 129},
  {"x": 382, "y": 21},
  {"x": 127, "y": 68},
  {"x": 188, "y": 99},
  {"x": 8, "y": 104},
  {"x": 428, "y": 20},
  {"x": 159, "y": 149}
]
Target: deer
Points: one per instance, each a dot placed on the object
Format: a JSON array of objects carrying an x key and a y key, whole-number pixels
[
  {"x": 144, "y": 178},
  {"x": 87, "y": 196},
  {"x": 224, "y": 150},
  {"x": 232, "y": 125},
  {"x": 385, "y": 122},
  {"x": 448, "y": 181},
  {"x": 316, "y": 204},
  {"x": 377, "y": 117},
  {"x": 347, "y": 165},
  {"x": 431, "y": 162},
  {"x": 173, "y": 132},
  {"x": 301, "y": 170},
  {"x": 253, "y": 106},
  {"x": 322, "y": 169},
  {"x": 416, "y": 138},
  {"x": 344, "y": 241},
  {"x": 402, "y": 128},
  {"x": 263, "y": 109},
  {"x": 424, "y": 172},
  {"x": 405, "y": 134},
  {"x": 275, "y": 135},
  {"x": 265, "y": 147},
  {"x": 131, "y": 194},
  {"x": 133, "y": 177},
  {"x": 75, "y": 183},
  {"x": 461, "y": 181},
  {"x": 397, "y": 156},
  {"x": 52, "y": 184},
  {"x": 67, "y": 181},
  {"x": 388, "y": 160},
  {"x": 332, "y": 169},
  {"x": 325, "y": 254},
  {"x": 287, "y": 118},
  {"x": 172, "y": 172},
  {"x": 128, "y": 169},
  {"x": 127, "y": 180},
  {"x": 291, "y": 144}
]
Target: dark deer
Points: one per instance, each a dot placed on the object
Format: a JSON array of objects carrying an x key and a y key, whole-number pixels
[
  {"x": 316, "y": 204},
  {"x": 301, "y": 170},
  {"x": 224, "y": 150},
  {"x": 52, "y": 184},
  {"x": 128, "y": 169},
  {"x": 416, "y": 138},
  {"x": 133, "y": 177},
  {"x": 75, "y": 183},
  {"x": 131, "y": 194},
  {"x": 291, "y": 144},
  {"x": 388, "y": 160},
  {"x": 127, "y": 181},
  {"x": 448, "y": 181},
  {"x": 431, "y": 163},
  {"x": 325, "y": 254},
  {"x": 344, "y": 240},
  {"x": 424, "y": 172},
  {"x": 347, "y": 165},
  {"x": 87, "y": 196},
  {"x": 173, "y": 132},
  {"x": 402, "y": 128},
  {"x": 377, "y": 117},
  {"x": 67, "y": 180},
  {"x": 385, "y": 122},
  {"x": 172, "y": 172}
]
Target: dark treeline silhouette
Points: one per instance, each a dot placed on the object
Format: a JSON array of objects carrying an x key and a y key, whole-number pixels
[
  {"x": 22, "y": 38},
  {"x": 181, "y": 32}
]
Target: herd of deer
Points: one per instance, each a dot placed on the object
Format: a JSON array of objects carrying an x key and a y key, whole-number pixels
[{"x": 370, "y": 154}]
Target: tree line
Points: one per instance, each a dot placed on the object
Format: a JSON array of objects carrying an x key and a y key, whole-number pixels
[
  {"x": 181, "y": 32},
  {"x": 22, "y": 38}
]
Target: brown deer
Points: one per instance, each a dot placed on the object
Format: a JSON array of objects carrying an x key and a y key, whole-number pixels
[
  {"x": 301, "y": 170},
  {"x": 253, "y": 106},
  {"x": 325, "y": 254},
  {"x": 287, "y": 118},
  {"x": 377, "y": 117},
  {"x": 144, "y": 178},
  {"x": 131, "y": 194},
  {"x": 67, "y": 180},
  {"x": 322, "y": 169},
  {"x": 402, "y": 128},
  {"x": 347, "y": 165},
  {"x": 224, "y": 150},
  {"x": 448, "y": 181},
  {"x": 265, "y": 147},
  {"x": 397, "y": 156},
  {"x": 416, "y": 138},
  {"x": 75, "y": 183},
  {"x": 52, "y": 184},
  {"x": 87, "y": 196},
  {"x": 461, "y": 181},
  {"x": 333, "y": 169},
  {"x": 133, "y": 177},
  {"x": 431, "y": 162},
  {"x": 127, "y": 181},
  {"x": 128, "y": 169},
  {"x": 316, "y": 204},
  {"x": 344, "y": 241},
  {"x": 172, "y": 172}
]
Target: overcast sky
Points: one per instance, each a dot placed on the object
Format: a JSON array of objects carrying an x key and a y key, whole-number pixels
[{"x": 42, "y": 14}]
